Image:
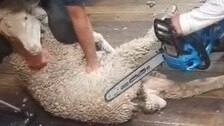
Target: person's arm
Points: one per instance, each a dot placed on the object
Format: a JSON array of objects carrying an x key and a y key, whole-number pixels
[
  {"x": 84, "y": 34},
  {"x": 210, "y": 12}
]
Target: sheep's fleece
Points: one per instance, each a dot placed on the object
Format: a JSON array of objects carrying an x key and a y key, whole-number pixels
[{"x": 65, "y": 90}]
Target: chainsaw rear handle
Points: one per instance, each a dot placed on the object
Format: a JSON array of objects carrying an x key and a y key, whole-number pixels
[{"x": 165, "y": 33}]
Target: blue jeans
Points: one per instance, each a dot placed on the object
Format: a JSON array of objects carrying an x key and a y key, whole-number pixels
[
  {"x": 59, "y": 21},
  {"x": 73, "y": 2},
  {"x": 5, "y": 48}
]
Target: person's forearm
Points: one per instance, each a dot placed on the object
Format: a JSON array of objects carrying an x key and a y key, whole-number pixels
[
  {"x": 83, "y": 31},
  {"x": 209, "y": 13},
  {"x": 86, "y": 40}
]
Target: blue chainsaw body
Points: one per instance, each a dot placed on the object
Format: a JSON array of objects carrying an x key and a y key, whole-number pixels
[{"x": 190, "y": 59}]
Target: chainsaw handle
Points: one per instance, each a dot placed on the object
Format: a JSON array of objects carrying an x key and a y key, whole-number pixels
[
  {"x": 200, "y": 48},
  {"x": 167, "y": 36}
]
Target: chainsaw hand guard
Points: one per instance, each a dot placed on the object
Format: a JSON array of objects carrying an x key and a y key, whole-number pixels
[{"x": 167, "y": 35}]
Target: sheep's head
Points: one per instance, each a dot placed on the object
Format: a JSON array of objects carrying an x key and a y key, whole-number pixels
[{"x": 24, "y": 28}]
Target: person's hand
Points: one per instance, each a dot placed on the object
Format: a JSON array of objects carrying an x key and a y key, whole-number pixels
[
  {"x": 38, "y": 61},
  {"x": 93, "y": 66},
  {"x": 175, "y": 22}
]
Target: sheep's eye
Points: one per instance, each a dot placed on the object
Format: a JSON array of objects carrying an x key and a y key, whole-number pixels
[
  {"x": 25, "y": 18},
  {"x": 7, "y": 25}
]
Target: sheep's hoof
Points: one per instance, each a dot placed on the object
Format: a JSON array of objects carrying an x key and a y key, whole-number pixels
[{"x": 153, "y": 103}]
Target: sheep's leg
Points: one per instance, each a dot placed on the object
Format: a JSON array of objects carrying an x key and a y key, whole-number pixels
[
  {"x": 152, "y": 101},
  {"x": 151, "y": 89},
  {"x": 193, "y": 88},
  {"x": 157, "y": 88},
  {"x": 102, "y": 43}
]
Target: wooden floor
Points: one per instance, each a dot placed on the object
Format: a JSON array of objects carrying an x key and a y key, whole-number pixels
[{"x": 120, "y": 21}]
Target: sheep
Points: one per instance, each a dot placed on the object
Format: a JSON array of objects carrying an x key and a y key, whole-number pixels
[{"x": 64, "y": 89}]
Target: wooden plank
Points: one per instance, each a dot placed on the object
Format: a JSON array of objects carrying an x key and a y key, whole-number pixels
[
  {"x": 131, "y": 123},
  {"x": 192, "y": 111},
  {"x": 9, "y": 80},
  {"x": 6, "y": 68},
  {"x": 20, "y": 98},
  {"x": 125, "y": 26},
  {"x": 11, "y": 94},
  {"x": 217, "y": 56},
  {"x": 177, "y": 112},
  {"x": 117, "y": 33},
  {"x": 137, "y": 9},
  {"x": 188, "y": 76},
  {"x": 135, "y": 122},
  {"x": 218, "y": 94},
  {"x": 120, "y": 17},
  {"x": 131, "y": 12},
  {"x": 133, "y": 2}
]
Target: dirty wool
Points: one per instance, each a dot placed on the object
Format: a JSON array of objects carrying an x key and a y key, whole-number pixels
[{"x": 64, "y": 89}]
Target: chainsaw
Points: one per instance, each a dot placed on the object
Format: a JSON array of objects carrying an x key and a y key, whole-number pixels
[{"x": 184, "y": 53}]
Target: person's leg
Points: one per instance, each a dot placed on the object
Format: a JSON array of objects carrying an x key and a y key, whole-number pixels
[
  {"x": 59, "y": 21},
  {"x": 5, "y": 48}
]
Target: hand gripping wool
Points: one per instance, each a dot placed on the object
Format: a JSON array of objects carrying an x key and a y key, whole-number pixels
[{"x": 65, "y": 90}]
